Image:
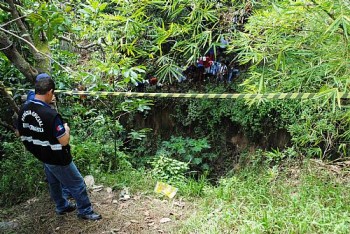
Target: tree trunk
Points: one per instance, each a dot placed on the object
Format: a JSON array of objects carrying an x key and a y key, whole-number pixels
[
  {"x": 16, "y": 58},
  {"x": 8, "y": 97}
]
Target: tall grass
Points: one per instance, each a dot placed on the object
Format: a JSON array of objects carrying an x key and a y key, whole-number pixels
[
  {"x": 135, "y": 180},
  {"x": 265, "y": 200},
  {"x": 21, "y": 175}
]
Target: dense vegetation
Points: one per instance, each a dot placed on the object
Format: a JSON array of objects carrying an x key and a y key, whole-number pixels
[{"x": 279, "y": 46}]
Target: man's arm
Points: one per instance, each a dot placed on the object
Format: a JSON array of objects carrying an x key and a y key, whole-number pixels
[
  {"x": 61, "y": 131},
  {"x": 64, "y": 140}
]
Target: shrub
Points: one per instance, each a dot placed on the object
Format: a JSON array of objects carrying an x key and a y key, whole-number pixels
[
  {"x": 321, "y": 132},
  {"x": 168, "y": 169},
  {"x": 188, "y": 150},
  {"x": 22, "y": 175}
]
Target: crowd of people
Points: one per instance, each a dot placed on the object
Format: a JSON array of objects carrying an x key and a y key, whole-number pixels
[
  {"x": 210, "y": 68},
  {"x": 205, "y": 70}
]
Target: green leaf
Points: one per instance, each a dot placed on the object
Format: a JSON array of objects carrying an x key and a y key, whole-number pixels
[{"x": 197, "y": 161}]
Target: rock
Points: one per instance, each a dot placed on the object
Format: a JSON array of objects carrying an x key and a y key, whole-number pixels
[
  {"x": 179, "y": 204},
  {"x": 109, "y": 190},
  {"x": 8, "y": 225},
  {"x": 124, "y": 194},
  {"x": 89, "y": 181}
]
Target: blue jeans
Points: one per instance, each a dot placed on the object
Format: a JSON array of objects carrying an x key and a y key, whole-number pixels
[
  {"x": 65, "y": 191},
  {"x": 229, "y": 79},
  {"x": 69, "y": 177}
]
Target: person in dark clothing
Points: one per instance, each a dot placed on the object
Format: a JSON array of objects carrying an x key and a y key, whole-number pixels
[
  {"x": 43, "y": 133},
  {"x": 53, "y": 105}
]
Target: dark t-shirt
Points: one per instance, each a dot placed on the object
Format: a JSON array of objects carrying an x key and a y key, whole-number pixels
[{"x": 40, "y": 128}]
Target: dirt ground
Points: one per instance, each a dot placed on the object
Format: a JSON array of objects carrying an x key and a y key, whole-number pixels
[{"x": 141, "y": 213}]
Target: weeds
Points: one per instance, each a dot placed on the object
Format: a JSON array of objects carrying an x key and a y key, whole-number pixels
[
  {"x": 252, "y": 202},
  {"x": 22, "y": 176}
]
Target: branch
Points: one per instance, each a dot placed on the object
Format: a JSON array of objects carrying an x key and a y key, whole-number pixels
[
  {"x": 21, "y": 38},
  {"x": 88, "y": 46},
  {"x": 8, "y": 97},
  {"x": 21, "y": 26},
  {"x": 4, "y": 8},
  {"x": 33, "y": 47},
  {"x": 10, "y": 51},
  {"x": 8, "y": 126},
  {"x": 84, "y": 47},
  {"x": 24, "y": 31},
  {"x": 12, "y": 21}
]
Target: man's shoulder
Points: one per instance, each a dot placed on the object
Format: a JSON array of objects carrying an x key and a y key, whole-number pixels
[
  {"x": 49, "y": 111},
  {"x": 25, "y": 106},
  {"x": 37, "y": 107}
]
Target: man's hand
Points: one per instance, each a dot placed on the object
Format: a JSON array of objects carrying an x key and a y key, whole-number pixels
[{"x": 66, "y": 127}]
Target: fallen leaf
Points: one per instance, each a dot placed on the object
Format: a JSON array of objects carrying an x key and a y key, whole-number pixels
[
  {"x": 179, "y": 204},
  {"x": 127, "y": 224},
  {"x": 165, "y": 220},
  {"x": 32, "y": 200},
  {"x": 115, "y": 230},
  {"x": 149, "y": 220},
  {"x": 123, "y": 206},
  {"x": 97, "y": 190}
]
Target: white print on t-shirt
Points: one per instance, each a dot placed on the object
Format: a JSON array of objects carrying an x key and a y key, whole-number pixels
[
  {"x": 37, "y": 118},
  {"x": 34, "y": 114},
  {"x": 33, "y": 128}
]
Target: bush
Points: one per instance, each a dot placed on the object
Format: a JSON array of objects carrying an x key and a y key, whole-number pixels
[
  {"x": 321, "y": 132},
  {"x": 92, "y": 156},
  {"x": 188, "y": 150},
  {"x": 168, "y": 169},
  {"x": 22, "y": 175}
]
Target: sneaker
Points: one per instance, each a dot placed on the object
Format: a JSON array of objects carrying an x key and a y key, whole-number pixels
[
  {"x": 92, "y": 216},
  {"x": 71, "y": 207}
]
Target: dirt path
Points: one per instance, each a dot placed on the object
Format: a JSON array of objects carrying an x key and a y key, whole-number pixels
[{"x": 138, "y": 214}]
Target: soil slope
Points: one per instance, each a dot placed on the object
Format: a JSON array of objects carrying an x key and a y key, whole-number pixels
[{"x": 140, "y": 213}]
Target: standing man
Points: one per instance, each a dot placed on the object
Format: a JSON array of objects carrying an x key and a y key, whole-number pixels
[
  {"x": 47, "y": 138},
  {"x": 53, "y": 105}
]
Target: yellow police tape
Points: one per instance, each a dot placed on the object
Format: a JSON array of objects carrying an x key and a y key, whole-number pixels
[{"x": 340, "y": 95}]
